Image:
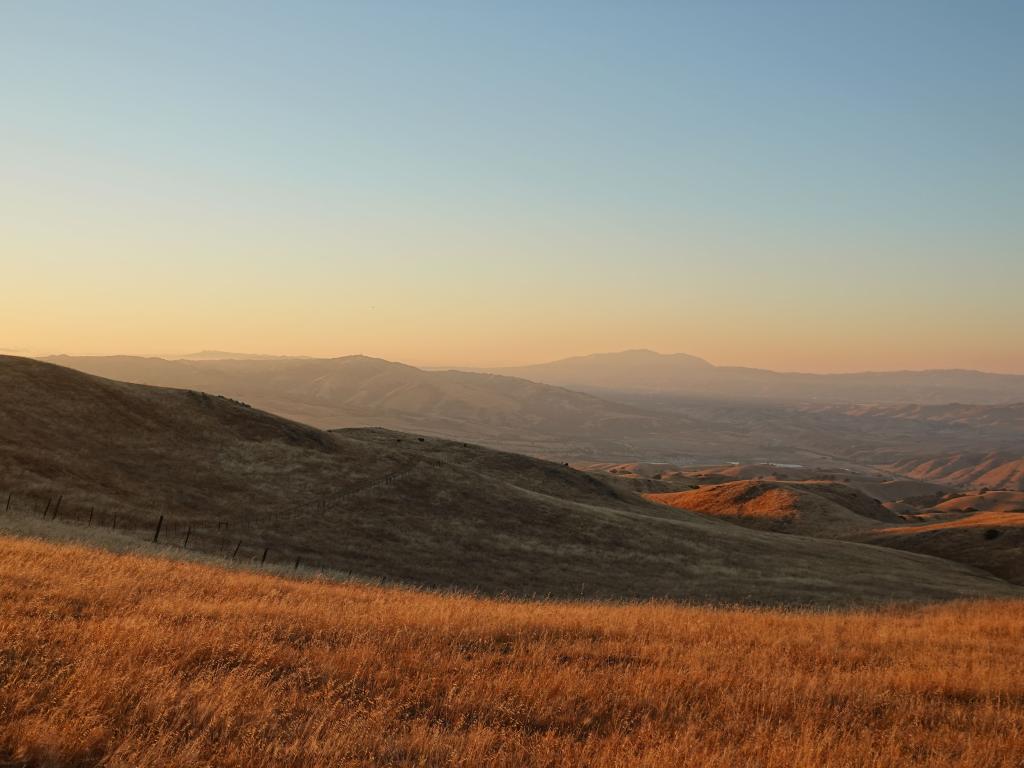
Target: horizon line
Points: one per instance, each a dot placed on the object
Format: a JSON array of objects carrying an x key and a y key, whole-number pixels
[{"x": 497, "y": 369}]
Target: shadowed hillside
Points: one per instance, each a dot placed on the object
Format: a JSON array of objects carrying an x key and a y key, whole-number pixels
[
  {"x": 453, "y": 514},
  {"x": 989, "y": 540}
]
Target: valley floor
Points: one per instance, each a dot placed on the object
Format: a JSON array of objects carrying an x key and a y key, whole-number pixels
[{"x": 126, "y": 660}]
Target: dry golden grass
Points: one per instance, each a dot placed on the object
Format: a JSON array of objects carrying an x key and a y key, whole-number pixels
[
  {"x": 123, "y": 660},
  {"x": 806, "y": 507},
  {"x": 989, "y": 520},
  {"x": 992, "y": 501}
]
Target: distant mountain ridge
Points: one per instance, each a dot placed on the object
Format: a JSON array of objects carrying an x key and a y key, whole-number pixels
[
  {"x": 714, "y": 426},
  {"x": 645, "y": 371},
  {"x": 216, "y": 354},
  {"x": 357, "y": 391}
]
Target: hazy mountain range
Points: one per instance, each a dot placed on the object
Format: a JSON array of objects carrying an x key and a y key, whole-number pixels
[
  {"x": 642, "y": 370},
  {"x": 973, "y": 445},
  {"x": 361, "y": 391}
]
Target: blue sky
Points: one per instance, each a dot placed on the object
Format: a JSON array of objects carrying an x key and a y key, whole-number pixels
[{"x": 824, "y": 186}]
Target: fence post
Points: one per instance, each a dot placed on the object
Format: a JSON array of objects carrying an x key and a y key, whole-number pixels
[
  {"x": 236, "y": 549},
  {"x": 264, "y": 558},
  {"x": 158, "y": 524},
  {"x": 46, "y": 511},
  {"x": 8, "y": 503},
  {"x": 91, "y": 510},
  {"x": 296, "y": 563},
  {"x": 187, "y": 534},
  {"x": 56, "y": 507}
]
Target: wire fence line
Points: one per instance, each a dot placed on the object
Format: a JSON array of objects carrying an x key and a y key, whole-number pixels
[
  {"x": 206, "y": 536},
  {"x": 217, "y": 537}
]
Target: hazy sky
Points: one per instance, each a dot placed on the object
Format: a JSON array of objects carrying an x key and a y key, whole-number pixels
[{"x": 812, "y": 186}]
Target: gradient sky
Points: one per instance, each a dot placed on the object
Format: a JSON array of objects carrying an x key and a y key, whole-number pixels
[{"x": 793, "y": 185}]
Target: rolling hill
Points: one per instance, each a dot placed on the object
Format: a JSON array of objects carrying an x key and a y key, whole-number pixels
[
  {"x": 991, "y": 501},
  {"x": 809, "y": 508},
  {"x": 1002, "y": 470},
  {"x": 396, "y": 506},
  {"x": 985, "y": 531},
  {"x": 990, "y": 540}
]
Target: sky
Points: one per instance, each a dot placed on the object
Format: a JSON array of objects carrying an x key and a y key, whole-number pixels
[{"x": 791, "y": 185}]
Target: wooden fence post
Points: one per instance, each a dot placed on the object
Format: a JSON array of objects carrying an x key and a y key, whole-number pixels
[
  {"x": 46, "y": 511},
  {"x": 187, "y": 534},
  {"x": 236, "y": 549},
  {"x": 264, "y": 558},
  {"x": 8, "y": 503},
  {"x": 296, "y": 563},
  {"x": 91, "y": 510},
  {"x": 56, "y": 507},
  {"x": 158, "y": 524}
]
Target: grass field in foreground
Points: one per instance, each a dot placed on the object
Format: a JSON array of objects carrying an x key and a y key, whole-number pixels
[{"x": 125, "y": 660}]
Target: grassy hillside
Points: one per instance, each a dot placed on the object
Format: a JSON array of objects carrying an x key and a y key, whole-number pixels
[
  {"x": 985, "y": 531},
  {"x": 230, "y": 477},
  {"x": 990, "y": 540},
  {"x": 133, "y": 662},
  {"x": 991, "y": 501},
  {"x": 1003, "y": 470},
  {"x": 811, "y": 508}
]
